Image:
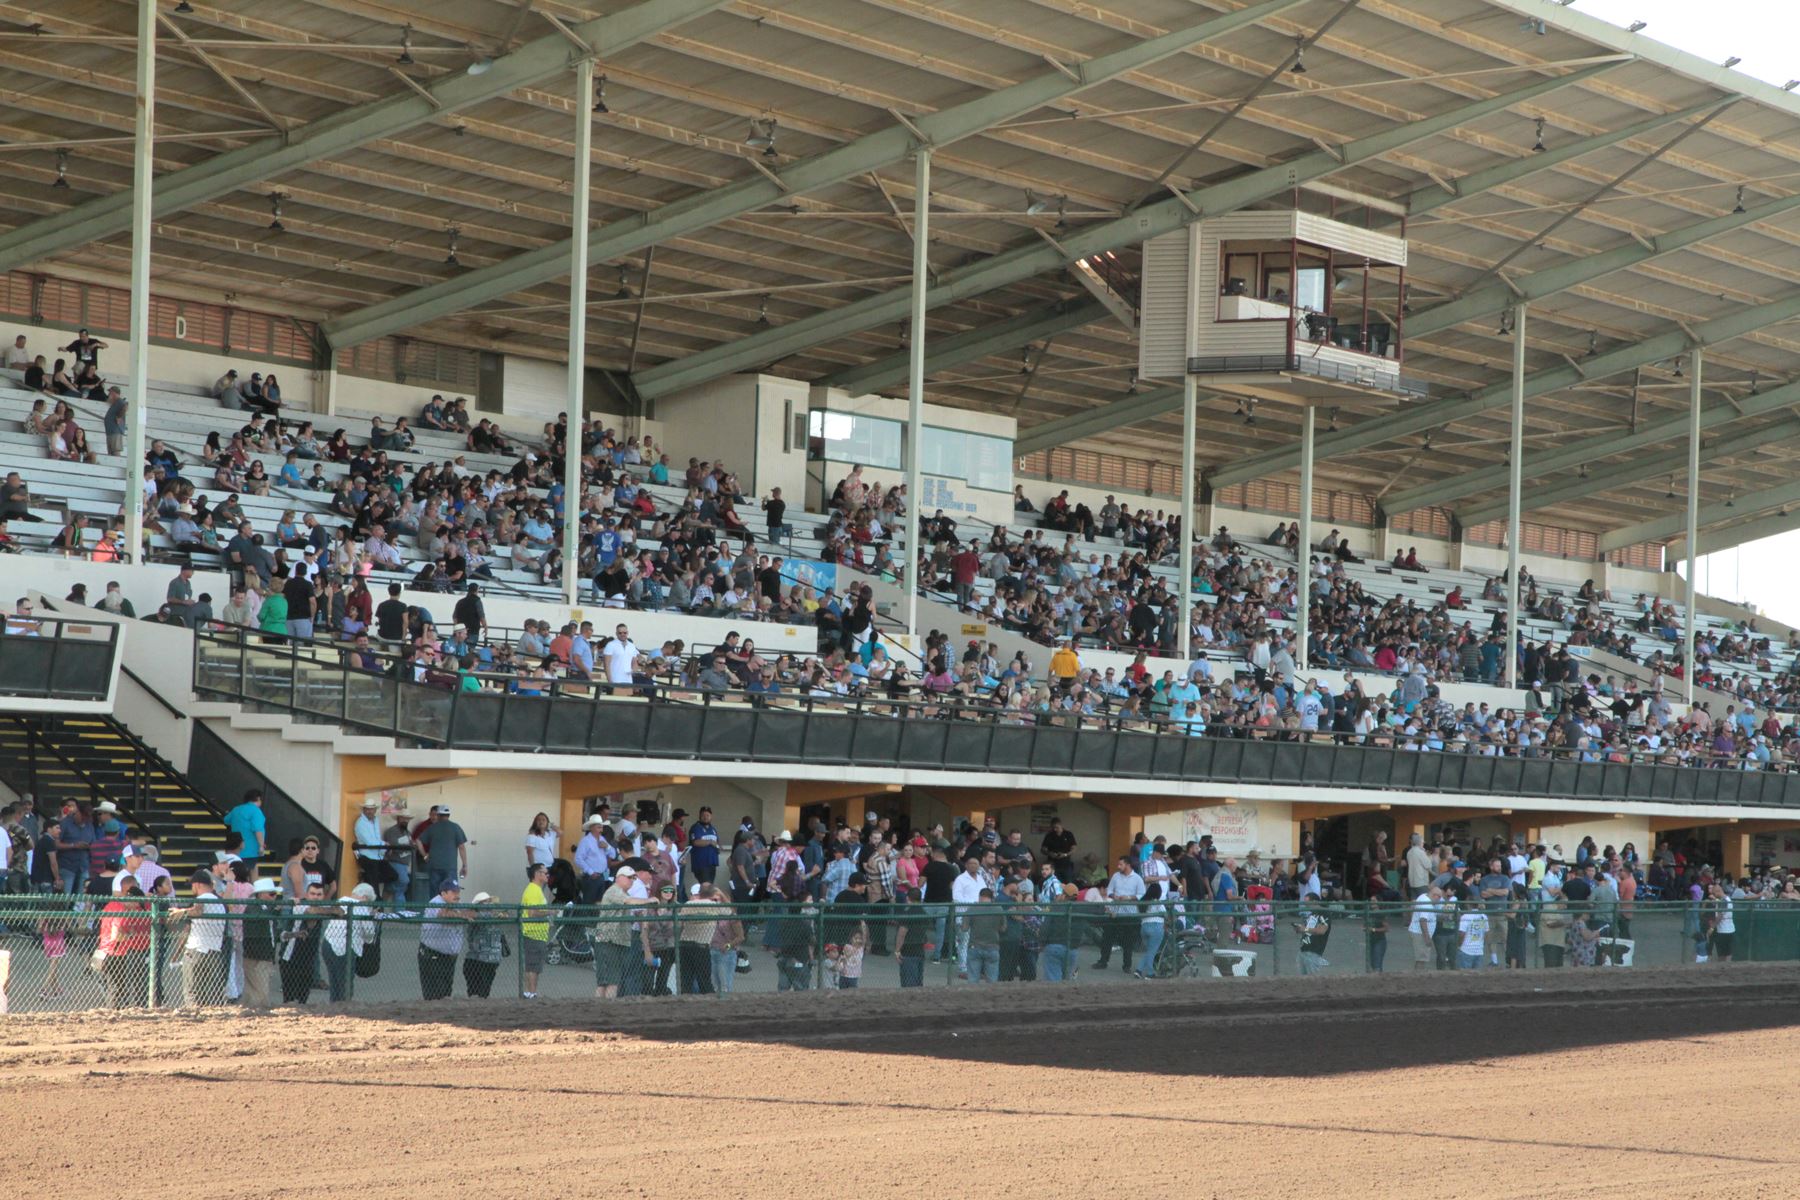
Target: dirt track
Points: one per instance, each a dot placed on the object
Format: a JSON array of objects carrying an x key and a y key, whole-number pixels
[{"x": 1447, "y": 1085}]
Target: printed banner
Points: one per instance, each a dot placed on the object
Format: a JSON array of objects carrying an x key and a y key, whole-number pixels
[
  {"x": 812, "y": 573},
  {"x": 1233, "y": 827}
]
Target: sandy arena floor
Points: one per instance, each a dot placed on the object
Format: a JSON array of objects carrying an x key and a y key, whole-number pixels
[{"x": 1446, "y": 1086}]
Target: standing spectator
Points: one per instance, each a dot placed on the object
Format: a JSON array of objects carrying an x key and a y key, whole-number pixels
[
  {"x": 984, "y": 923},
  {"x": 261, "y": 942},
  {"x": 368, "y": 848},
  {"x": 444, "y": 848},
  {"x": 398, "y": 837},
  {"x": 1151, "y": 927},
  {"x": 703, "y": 848},
  {"x": 1418, "y": 867},
  {"x": 1472, "y": 928},
  {"x": 912, "y": 940},
  {"x": 300, "y": 943},
  {"x": 75, "y": 833},
  {"x": 203, "y": 953},
  {"x": 1124, "y": 889},
  {"x": 486, "y": 947},
  {"x": 542, "y": 841},
  {"x": 1423, "y": 925},
  {"x": 441, "y": 939},
  {"x": 1062, "y": 935},
  {"x": 246, "y": 818},
  {"x": 965, "y": 893},
  {"x": 1375, "y": 927},
  {"x": 727, "y": 938},
  {"x": 346, "y": 938},
  {"x": 1315, "y": 931},
  {"x": 86, "y": 350},
  {"x": 114, "y": 422},
  {"x": 616, "y": 938},
  {"x": 124, "y": 947},
  {"x": 534, "y": 926},
  {"x": 593, "y": 860}
]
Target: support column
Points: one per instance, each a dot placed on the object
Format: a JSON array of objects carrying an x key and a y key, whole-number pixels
[
  {"x": 143, "y": 159},
  {"x": 1190, "y": 402},
  {"x": 578, "y": 269},
  {"x": 915, "y": 381},
  {"x": 1697, "y": 367},
  {"x": 1515, "y": 482},
  {"x": 1309, "y": 417}
]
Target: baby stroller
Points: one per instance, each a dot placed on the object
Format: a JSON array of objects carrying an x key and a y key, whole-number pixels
[
  {"x": 1259, "y": 925},
  {"x": 568, "y": 939},
  {"x": 1188, "y": 956}
]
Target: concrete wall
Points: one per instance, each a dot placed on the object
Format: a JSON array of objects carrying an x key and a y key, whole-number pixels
[
  {"x": 1265, "y": 826},
  {"x": 1086, "y": 820},
  {"x": 494, "y": 808}
]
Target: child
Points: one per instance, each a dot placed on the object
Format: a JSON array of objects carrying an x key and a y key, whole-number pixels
[
  {"x": 850, "y": 963},
  {"x": 56, "y": 945},
  {"x": 834, "y": 968}
]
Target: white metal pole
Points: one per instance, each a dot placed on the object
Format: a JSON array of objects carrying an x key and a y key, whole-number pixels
[
  {"x": 1515, "y": 482},
  {"x": 1190, "y": 403},
  {"x": 915, "y": 382},
  {"x": 1695, "y": 369},
  {"x": 578, "y": 270},
  {"x": 138, "y": 394},
  {"x": 1303, "y": 591}
]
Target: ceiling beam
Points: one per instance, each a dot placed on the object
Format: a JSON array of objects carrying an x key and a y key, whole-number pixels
[
  {"x": 1713, "y": 541},
  {"x": 1076, "y": 426},
  {"x": 346, "y": 130},
  {"x": 1432, "y": 198},
  {"x": 1633, "y": 471},
  {"x": 1430, "y": 415},
  {"x": 1592, "y": 449},
  {"x": 890, "y": 145},
  {"x": 1037, "y": 258},
  {"x": 970, "y": 345},
  {"x": 1486, "y": 301},
  {"x": 1658, "y": 528}
]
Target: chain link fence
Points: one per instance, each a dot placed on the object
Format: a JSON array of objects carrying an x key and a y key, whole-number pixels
[{"x": 61, "y": 953}]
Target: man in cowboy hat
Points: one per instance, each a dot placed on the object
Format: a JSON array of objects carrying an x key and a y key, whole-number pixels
[
  {"x": 369, "y": 848},
  {"x": 260, "y": 942},
  {"x": 593, "y": 859}
]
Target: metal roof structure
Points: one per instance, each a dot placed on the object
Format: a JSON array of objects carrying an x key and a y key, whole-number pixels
[{"x": 751, "y": 193}]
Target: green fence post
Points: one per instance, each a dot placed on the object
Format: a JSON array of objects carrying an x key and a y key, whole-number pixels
[
  {"x": 156, "y": 950},
  {"x": 519, "y": 947}
]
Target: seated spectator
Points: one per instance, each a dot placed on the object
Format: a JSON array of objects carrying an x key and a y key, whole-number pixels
[
  {"x": 15, "y": 499},
  {"x": 36, "y": 379},
  {"x": 69, "y": 539},
  {"x": 227, "y": 391},
  {"x": 432, "y": 415},
  {"x": 17, "y": 356}
]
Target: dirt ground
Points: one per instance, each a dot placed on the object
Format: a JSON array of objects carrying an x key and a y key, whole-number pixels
[{"x": 1613, "y": 1083}]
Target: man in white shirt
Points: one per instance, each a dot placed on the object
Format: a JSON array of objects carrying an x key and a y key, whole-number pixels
[
  {"x": 1516, "y": 863},
  {"x": 966, "y": 893},
  {"x": 1127, "y": 887},
  {"x": 621, "y": 656},
  {"x": 1423, "y": 926},
  {"x": 17, "y": 356},
  {"x": 203, "y": 954}
]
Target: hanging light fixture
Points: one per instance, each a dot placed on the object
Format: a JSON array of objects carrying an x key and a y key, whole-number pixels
[
  {"x": 275, "y": 224},
  {"x": 762, "y": 311},
  {"x": 450, "y": 259},
  {"x": 1332, "y": 428},
  {"x": 600, "y": 95},
  {"x": 1034, "y": 206},
  {"x": 1738, "y": 209},
  {"x": 1731, "y": 500},
  {"x": 1131, "y": 381},
  {"x": 1537, "y": 146},
  {"x": 1062, "y": 212},
  {"x": 1593, "y": 342},
  {"x": 406, "y": 58},
  {"x": 1025, "y": 360},
  {"x": 184, "y": 8},
  {"x": 62, "y": 169},
  {"x": 624, "y": 292},
  {"x": 1753, "y": 376},
  {"x": 1678, "y": 368},
  {"x": 761, "y": 135},
  {"x": 1299, "y": 67},
  {"x": 1670, "y": 494}
]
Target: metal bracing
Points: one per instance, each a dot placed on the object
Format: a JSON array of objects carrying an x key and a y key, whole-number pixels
[
  {"x": 892, "y": 144},
  {"x": 1184, "y": 589},
  {"x": 1715, "y": 540},
  {"x": 1486, "y": 301},
  {"x": 1076, "y": 426},
  {"x": 970, "y": 345},
  {"x": 1672, "y": 525},
  {"x": 1639, "y": 471},
  {"x": 1593, "y": 449},
  {"x": 1430, "y": 199},
  {"x": 1431, "y": 415},
  {"x": 537, "y": 60},
  {"x": 1025, "y": 262}
]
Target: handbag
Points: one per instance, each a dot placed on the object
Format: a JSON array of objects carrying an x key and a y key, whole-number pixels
[{"x": 368, "y": 963}]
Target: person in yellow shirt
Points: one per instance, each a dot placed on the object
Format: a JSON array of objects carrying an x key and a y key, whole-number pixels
[
  {"x": 534, "y": 933},
  {"x": 1065, "y": 664}
]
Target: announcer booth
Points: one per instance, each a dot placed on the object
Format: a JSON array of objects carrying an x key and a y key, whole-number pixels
[{"x": 1286, "y": 305}]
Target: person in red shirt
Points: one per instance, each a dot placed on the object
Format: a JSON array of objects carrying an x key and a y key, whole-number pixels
[
  {"x": 124, "y": 947},
  {"x": 963, "y": 569}
]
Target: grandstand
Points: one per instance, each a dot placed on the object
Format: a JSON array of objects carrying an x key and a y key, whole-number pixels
[{"x": 1087, "y": 338}]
